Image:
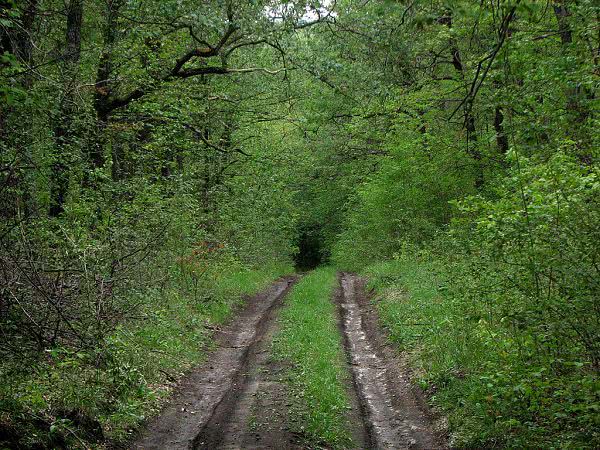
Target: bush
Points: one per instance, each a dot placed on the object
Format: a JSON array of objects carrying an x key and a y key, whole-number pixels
[
  {"x": 534, "y": 253},
  {"x": 485, "y": 374}
]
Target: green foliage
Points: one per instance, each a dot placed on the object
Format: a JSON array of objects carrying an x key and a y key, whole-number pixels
[
  {"x": 486, "y": 373},
  {"x": 129, "y": 225},
  {"x": 154, "y": 148},
  {"x": 87, "y": 396},
  {"x": 10, "y": 92},
  {"x": 310, "y": 341},
  {"x": 407, "y": 199},
  {"x": 538, "y": 242},
  {"x": 483, "y": 205}
]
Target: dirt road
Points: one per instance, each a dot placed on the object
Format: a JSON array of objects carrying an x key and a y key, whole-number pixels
[
  {"x": 393, "y": 411},
  {"x": 239, "y": 398},
  {"x": 207, "y": 397}
]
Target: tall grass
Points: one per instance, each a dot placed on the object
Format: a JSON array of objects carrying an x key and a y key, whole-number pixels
[
  {"x": 311, "y": 341},
  {"x": 473, "y": 366}
]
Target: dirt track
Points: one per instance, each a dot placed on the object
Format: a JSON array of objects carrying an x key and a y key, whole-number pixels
[
  {"x": 393, "y": 411},
  {"x": 211, "y": 390},
  {"x": 239, "y": 398}
]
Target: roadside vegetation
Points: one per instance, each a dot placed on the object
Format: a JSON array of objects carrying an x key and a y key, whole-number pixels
[
  {"x": 311, "y": 342},
  {"x": 78, "y": 398},
  {"x": 494, "y": 382},
  {"x": 480, "y": 234},
  {"x": 500, "y": 307}
]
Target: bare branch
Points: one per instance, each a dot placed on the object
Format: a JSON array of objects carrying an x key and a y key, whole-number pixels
[{"x": 477, "y": 80}]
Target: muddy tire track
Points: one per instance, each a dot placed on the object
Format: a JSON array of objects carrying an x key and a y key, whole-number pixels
[
  {"x": 204, "y": 402},
  {"x": 394, "y": 413},
  {"x": 255, "y": 412}
]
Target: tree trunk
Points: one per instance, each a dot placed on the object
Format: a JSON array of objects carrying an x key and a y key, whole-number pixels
[
  {"x": 469, "y": 119},
  {"x": 577, "y": 110},
  {"x": 63, "y": 129},
  {"x": 564, "y": 29},
  {"x": 17, "y": 41},
  {"x": 24, "y": 42},
  {"x": 104, "y": 88},
  {"x": 501, "y": 139}
]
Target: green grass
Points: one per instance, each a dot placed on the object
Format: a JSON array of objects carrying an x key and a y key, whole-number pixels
[
  {"x": 311, "y": 342},
  {"x": 485, "y": 375},
  {"x": 126, "y": 379}
]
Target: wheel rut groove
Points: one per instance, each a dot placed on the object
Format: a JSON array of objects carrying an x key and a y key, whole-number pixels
[
  {"x": 230, "y": 425},
  {"x": 206, "y": 399},
  {"x": 393, "y": 412}
]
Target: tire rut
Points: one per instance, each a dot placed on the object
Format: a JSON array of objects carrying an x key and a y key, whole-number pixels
[
  {"x": 257, "y": 391},
  {"x": 394, "y": 414},
  {"x": 206, "y": 399}
]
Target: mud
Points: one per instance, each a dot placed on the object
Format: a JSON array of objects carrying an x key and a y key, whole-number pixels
[
  {"x": 255, "y": 413},
  {"x": 210, "y": 408},
  {"x": 394, "y": 413},
  {"x": 239, "y": 399}
]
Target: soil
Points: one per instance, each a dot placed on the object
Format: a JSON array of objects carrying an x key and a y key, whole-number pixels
[
  {"x": 202, "y": 408},
  {"x": 239, "y": 399},
  {"x": 255, "y": 413},
  {"x": 394, "y": 412}
]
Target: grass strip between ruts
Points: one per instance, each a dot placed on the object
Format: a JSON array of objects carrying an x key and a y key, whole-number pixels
[{"x": 310, "y": 340}]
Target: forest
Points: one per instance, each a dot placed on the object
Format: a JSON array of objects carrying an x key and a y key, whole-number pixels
[{"x": 434, "y": 163}]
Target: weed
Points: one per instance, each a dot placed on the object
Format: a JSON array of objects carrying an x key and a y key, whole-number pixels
[
  {"x": 310, "y": 340},
  {"x": 486, "y": 376},
  {"x": 75, "y": 398}
]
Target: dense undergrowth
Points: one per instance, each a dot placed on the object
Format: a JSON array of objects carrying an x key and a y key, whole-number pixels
[
  {"x": 498, "y": 310},
  {"x": 146, "y": 147},
  {"x": 82, "y": 398},
  {"x": 487, "y": 373},
  {"x": 310, "y": 341}
]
